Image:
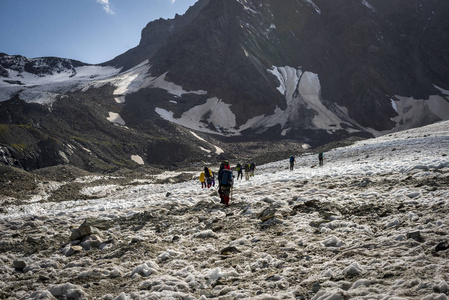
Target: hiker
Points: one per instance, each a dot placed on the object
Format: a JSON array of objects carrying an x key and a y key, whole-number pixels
[
  {"x": 239, "y": 171},
  {"x": 321, "y": 158},
  {"x": 203, "y": 180},
  {"x": 225, "y": 182},
  {"x": 292, "y": 162},
  {"x": 246, "y": 167},
  {"x": 252, "y": 168},
  {"x": 208, "y": 175},
  {"x": 213, "y": 178}
]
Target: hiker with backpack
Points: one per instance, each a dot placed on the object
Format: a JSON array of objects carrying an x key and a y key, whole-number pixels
[
  {"x": 203, "y": 180},
  {"x": 246, "y": 167},
  {"x": 208, "y": 176},
  {"x": 239, "y": 171},
  {"x": 252, "y": 169},
  {"x": 292, "y": 162},
  {"x": 225, "y": 182},
  {"x": 321, "y": 158}
]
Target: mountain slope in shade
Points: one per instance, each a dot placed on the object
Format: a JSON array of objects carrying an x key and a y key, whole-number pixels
[
  {"x": 367, "y": 56},
  {"x": 234, "y": 70}
]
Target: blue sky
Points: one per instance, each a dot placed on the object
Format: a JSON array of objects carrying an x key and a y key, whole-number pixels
[{"x": 92, "y": 31}]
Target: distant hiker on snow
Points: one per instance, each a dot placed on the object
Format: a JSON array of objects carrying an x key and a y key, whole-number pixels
[
  {"x": 292, "y": 162},
  {"x": 225, "y": 182},
  {"x": 239, "y": 171},
  {"x": 213, "y": 178},
  {"x": 203, "y": 180},
  {"x": 252, "y": 169},
  {"x": 246, "y": 167},
  {"x": 321, "y": 158}
]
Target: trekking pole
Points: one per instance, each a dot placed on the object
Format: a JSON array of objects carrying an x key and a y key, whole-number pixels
[{"x": 231, "y": 194}]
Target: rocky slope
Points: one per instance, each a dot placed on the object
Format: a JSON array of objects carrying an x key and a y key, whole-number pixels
[
  {"x": 365, "y": 54},
  {"x": 291, "y": 73}
]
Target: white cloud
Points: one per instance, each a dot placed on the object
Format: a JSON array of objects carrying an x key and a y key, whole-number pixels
[{"x": 106, "y": 6}]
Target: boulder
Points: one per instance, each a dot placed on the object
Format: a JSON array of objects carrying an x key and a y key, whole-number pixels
[
  {"x": 72, "y": 250},
  {"x": 229, "y": 250},
  {"x": 267, "y": 214},
  {"x": 89, "y": 227},
  {"x": 91, "y": 241},
  {"x": 22, "y": 262},
  {"x": 416, "y": 235},
  {"x": 68, "y": 291},
  {"x": 442, "y": 246}
]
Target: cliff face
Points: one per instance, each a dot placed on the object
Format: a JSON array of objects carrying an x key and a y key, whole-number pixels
[{"x": 364, "y": 53}]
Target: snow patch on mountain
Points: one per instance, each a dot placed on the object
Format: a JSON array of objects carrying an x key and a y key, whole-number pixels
[
  {"x": 137, "y": 159},
  {"x": 218, "y": 150},
  {"x": 393, "y": 104},
  {"x": 212, "y": 113},
  {"x": 174, "y": 89},
  {"x": 247, "y": 7},
  {"x": 44, "y": 89},
  {"x": 116, "y": 119},
  {"x": 137, "y": 78},
  {"x": 131, "y": 81},
  {"x": 317, "y": 9},
  {"x": 410, "y": 111},
  {"x": 445, "y": 92},
  {"x": 309, "y": 88},
  {"x": 288, "y": 78},
  {"x": 364, "y": 2},
  {"x": 304, "y": 88},
  {"x": 300, "y": 89}
]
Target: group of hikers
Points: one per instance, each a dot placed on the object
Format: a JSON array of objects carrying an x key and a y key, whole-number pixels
[
  {"x": 320, "y": 160},
  {"x": 225, "y": 176},
  {"x": 248, "y": 168},
  {"x": 207, "y": 177}
]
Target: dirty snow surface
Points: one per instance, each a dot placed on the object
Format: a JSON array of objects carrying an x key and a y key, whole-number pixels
[{"x": 371, "y": 223}]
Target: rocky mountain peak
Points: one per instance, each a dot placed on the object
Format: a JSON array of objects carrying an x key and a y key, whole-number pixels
[
  {"x": 37, "y": 66},
  {"x": 308, "y": 71}
]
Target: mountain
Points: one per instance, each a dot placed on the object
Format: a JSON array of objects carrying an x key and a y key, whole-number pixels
[
  {"x": 340, "y": 65},
  {"x": 233, "y": 71}
]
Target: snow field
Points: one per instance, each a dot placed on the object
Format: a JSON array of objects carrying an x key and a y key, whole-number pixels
[{"x": 369, "y": 224}]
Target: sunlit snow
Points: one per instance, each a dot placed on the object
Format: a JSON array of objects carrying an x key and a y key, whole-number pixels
[
  {"x": 307, "y": 251},
  {"x": 303, "y": 88},
  {"x": 410, "y": 111},
  {"x": 218, "y": 112},
  {"x": 45, "y": 89},
  {"x": 218, "y": 150},
  {"x": 138, "y": 159},
  {"x": 116, "y": 119},
  {"x": 417, "y": 149}
]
